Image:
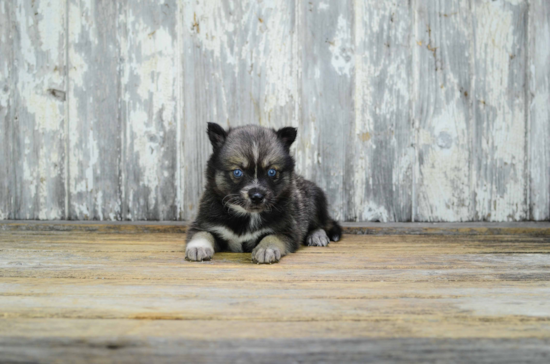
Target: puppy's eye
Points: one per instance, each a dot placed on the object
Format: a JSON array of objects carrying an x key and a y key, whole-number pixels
[
  {"x": 238, "y": 173},
  {"x": 272, "y": 172}
]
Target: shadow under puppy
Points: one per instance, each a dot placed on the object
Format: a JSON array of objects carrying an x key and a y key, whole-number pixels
[{"x": 254, "y": 202}]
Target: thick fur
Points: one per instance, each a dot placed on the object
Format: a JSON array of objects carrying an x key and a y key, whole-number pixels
[{"x": 293, "y": 212}]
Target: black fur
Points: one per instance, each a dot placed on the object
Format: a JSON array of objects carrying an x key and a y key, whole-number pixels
[{"x": 293, "y": 207}]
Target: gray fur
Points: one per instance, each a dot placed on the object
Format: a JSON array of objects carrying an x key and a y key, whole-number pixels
[{"x": 291, "y": 210}]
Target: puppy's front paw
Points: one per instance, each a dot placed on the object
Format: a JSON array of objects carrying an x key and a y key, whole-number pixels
[
  {"x": 266, "y": 254},
  {"x": 199, "y": 248},
  {"x": 318, "y": 238},
  {"x": 199, "y": 253}
]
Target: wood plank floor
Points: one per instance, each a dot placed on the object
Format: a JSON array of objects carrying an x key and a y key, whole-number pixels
[{"x": 130, "y": 298}]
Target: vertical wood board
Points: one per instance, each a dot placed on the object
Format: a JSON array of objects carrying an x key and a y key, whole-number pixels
[
  {"x": 539, "y": 109},
  {"x": 6, "y": 125},
  {"x": 150, "y": 102},
  {"x": 326, "y": 31},
  {"x": 380, "y": 149},
  {"x": 442, "y": 112},
  {"x": 94, "y": 120},
  {"x": 499, "y": 141},
  {"x": 39, "y": 110}
]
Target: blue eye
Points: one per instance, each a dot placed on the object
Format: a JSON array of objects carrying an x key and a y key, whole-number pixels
[
  {"x": 272, "y": 172},
  {"x": 238, "y": 173}
]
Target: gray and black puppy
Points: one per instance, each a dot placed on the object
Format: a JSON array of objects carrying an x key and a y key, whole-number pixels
[{"x": 254, "y": 202}]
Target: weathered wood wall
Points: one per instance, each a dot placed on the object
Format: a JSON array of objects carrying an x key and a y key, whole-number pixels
[{"x": 407, "y": 110}]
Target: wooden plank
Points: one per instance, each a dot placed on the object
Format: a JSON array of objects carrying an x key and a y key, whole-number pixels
[
  {"x": 387, "y": 259},
  {"x": 239, "y": 69},
  {"x": 39, "y": 122},
  {"x": 326, "y": 33},
  {"x": 381, "y": 145},
  {"x": 539, "y": 109},
  {"x": 150, "y": 102},
  {"x": 255, "y": 301},
  {"x": 393, "y": 297},
  {"x": 166, "y": 349},
  {"x": 499, "y": 143},
  {"x": 128, "y": 333},
  {"x": 6, "y": 126},
  {"x": 442, "y": 113},
  {"x": 361, "y": 228},
  {"x": 93, "y": 99}
]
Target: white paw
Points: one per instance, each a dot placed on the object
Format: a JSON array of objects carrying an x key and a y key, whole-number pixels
[
  {"x": 266, "y": 255},
  {"x": 199, "y": 250},
  {"x": 318, "y": 238}
]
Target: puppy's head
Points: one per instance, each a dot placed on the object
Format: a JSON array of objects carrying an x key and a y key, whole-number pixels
[{"x": 250, "y": 167}]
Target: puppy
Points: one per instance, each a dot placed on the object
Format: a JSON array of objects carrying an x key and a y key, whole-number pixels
[{"x": 254, "y": 202}]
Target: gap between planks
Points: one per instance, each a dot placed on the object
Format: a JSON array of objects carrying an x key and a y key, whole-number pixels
[{"x": 361, "y": 228}]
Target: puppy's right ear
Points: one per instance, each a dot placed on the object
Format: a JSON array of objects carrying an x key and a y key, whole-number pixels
[{"x": 217, "y": 135}]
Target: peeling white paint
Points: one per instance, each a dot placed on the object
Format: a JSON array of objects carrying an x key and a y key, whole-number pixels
[
  {"x": 503, "y": 112},
  {"x": 381, "y": 104},
  {"x": 341, "y": 48},
  {"x": 40, "y": 110},
  {"x": 248, "y": 61},
  {"x": 151, "y": 110},
  {"x": 539, "y": 109}
]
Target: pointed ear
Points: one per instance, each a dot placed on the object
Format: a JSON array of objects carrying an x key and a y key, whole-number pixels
[
  {"x": 287, "y": 136},
  {"x": 217, "y": 135}
]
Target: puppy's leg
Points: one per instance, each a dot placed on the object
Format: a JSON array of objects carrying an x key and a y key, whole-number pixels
[
  {"x": 270, "y": 250},
  {"x": 200, "y": 247},
  {"x": 317, "y": 238},
  {"x": 334, "y": 230}
]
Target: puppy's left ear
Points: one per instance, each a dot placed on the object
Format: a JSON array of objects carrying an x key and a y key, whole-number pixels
[
  {"x": 287, "y": 136},
  {"x": 217, "y": 135}
]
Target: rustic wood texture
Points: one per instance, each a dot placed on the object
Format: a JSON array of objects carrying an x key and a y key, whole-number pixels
[
  {"x": 356, "y": 228},
  {"x": 382, "y": 139},
  {"x": 150, "y": 102},
  {"x": 326, "y": 98},
  {"x": 499, "y": 142},
  {"x": 39, "y": 112},
  {"x": 539, "y": 109},
  {"x": 407, "y": 111},
  {"x": 95, "y": 123},
  {"x": 6, "y": 126},
  {"x": 442, "y": 113},
  {"x": 433, "y": 297}
]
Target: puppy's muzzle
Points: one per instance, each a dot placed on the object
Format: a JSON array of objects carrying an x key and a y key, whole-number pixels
[{"x": 256, "y": 196}]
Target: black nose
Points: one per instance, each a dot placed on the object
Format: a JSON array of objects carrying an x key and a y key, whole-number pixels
[{"x": 256, "y": 196}]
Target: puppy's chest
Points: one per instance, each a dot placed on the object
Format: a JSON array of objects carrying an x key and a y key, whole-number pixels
[
  {"x": 241, "y": 237},
  {"x": 243, "y": 242}
]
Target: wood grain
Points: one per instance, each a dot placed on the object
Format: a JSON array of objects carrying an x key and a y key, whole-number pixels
[
  {"x": 66, "y": 293},
  {"x": 381, "y": 150},
  {"x": 442, "y": 112},
  {"x": 538, "y": 229},
  {"x": 149, "y": 47},
  {"x": 39, "y": 110},
  {"x": 94, "y": 119},
  {"x": 6, "y": 126},
  {"x": 539, "y": 109},
  {"x": 327, "y": 69},
  {"x": 406, "y": 111},
  {"x": 115, "y": 350},
  {"x": 499, "y": 142}
]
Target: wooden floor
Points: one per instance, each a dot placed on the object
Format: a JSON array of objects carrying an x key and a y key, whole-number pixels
[{"x": 130, "y": 298}]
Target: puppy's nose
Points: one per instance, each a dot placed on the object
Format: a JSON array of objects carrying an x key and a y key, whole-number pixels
[{"x": 256, "y": 196}]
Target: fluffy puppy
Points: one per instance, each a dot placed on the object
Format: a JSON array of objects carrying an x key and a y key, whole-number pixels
[{"x": 254, "y": 202}]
